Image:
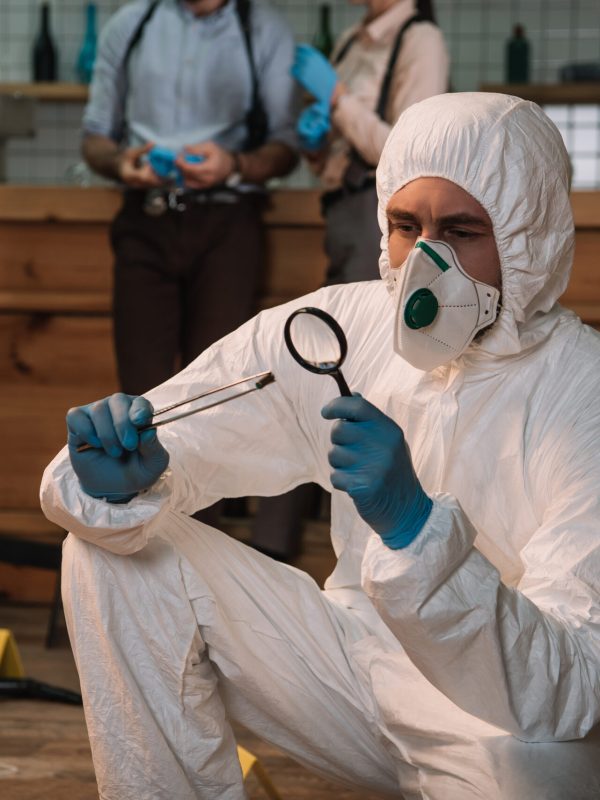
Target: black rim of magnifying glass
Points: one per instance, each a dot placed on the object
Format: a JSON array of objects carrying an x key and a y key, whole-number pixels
[{"x": 332, "y": 324}]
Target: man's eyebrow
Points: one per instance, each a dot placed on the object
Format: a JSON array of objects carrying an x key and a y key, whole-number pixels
[
  {"x": 396, "y": 214},
  {"x": 462, "y": 218}
]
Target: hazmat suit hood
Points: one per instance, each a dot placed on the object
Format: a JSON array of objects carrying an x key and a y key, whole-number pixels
[{"x": 511, "y": 158}]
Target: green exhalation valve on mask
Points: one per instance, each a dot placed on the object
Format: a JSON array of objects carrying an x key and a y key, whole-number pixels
[{"x": 421, "y": 309}]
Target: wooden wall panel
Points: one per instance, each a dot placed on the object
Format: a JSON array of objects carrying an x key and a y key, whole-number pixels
[
  {"x": 584, "y": 285},
  {"x": 26, "y": 584},
  {"x": 47, "y": 364},
  {"x": 45, "y": 256},
  {"x": 295, "y": 263}
]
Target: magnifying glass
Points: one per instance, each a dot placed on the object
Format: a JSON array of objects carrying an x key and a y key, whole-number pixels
[{"x": 317, "y": 343}]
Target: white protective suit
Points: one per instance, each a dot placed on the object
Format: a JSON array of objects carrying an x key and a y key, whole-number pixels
[{"x": 466, "y": 665}]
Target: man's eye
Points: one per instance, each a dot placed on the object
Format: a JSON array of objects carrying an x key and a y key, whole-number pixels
[
  {"x": 460, "y": 233},
  {"x": 404, "y": 227}
]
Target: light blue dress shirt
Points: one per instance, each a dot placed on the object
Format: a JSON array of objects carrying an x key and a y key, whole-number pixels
[{"x": 188, "y": 78}]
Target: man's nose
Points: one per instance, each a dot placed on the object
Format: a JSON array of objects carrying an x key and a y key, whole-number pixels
[{"x": 430, "y": 231}]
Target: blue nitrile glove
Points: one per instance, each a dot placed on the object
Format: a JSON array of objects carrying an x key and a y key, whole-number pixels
[
  {"x": 313, "y": 126},
  {"x": 162, "y": 161},
  {"x": 122, "y": 462},
  {"x": 371, "y": 461},
  {"x": 312, "y": 70}
]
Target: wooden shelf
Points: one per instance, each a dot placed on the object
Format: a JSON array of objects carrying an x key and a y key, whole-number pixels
[
  {"x": 549, "y": 93},
  {"x": 54, "y": 92}
]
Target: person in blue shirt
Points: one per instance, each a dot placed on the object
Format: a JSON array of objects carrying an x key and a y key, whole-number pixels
[{"x": 208, "y": 82}]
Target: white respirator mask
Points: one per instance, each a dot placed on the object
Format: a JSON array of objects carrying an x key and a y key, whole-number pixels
[{"x": 439, "y": 308}]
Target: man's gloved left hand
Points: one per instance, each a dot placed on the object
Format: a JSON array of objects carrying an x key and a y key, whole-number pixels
[
  {"x": 371, "y": 462},
  {"x": 313, "y": 126},
  {"x": 312, "y": 70}
]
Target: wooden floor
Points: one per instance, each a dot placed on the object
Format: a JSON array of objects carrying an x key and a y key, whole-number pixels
[{"x": 44, "y": 751}]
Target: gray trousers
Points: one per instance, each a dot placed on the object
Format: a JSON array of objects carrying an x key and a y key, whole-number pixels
[{"x": 352, "y": 238}]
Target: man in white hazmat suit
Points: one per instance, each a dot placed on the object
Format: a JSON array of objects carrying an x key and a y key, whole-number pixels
[{"x": 455, "y": 651}]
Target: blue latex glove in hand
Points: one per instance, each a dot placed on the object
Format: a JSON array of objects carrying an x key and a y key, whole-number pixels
[
  {"x": 162, "y": 161},
  {"x": 312, "y": 70},
  {"x": 123, "y": 461},
  {"x": 371, "y": 462},
  {"x": 313, "y": 126}
]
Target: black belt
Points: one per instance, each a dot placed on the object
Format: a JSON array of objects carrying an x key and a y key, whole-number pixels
[
  {"x": 158, "y": 201},
  {"x": 330, "y": 198}
]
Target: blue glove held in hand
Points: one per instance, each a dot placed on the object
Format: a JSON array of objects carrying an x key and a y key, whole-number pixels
[
  {"x": 162, "y": 161},
  {"x": 371, "y": 462},
  {"x": 313, "y": 127},
  {"x": 123, "y": 461},
  {"x": 312, "y": 70}
]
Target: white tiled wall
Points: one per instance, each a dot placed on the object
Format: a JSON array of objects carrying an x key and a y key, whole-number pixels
[{"x": 559, "y": 31}]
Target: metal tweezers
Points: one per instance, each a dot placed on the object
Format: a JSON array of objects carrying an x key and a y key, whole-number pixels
[{"x": 262, "y": 379}]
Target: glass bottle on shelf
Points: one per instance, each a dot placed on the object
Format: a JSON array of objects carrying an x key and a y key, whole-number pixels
[
  {"x": 517, "y": 57},
  {"x": 323, "y": 39},
  {"x": 87, "y": 54},
  {"x": 44, "y": 51}
]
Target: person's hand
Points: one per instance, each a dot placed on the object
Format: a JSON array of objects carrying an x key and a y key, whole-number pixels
[
  {"x": 123, "y": 461},
  {"x": 371, "y": 462},
  {"x": 312, "y": 127},
  {"x": 314, "y": 72},
  {"x": 135, "y": 171},
  {"x": 216, "y": 166}
]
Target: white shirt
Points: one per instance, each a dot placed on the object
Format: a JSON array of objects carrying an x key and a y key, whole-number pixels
[
  {"x": 420, "y": 72},
  {"x": 188, "y": 78}
]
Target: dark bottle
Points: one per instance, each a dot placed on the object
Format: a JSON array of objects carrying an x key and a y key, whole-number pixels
[
  {"x": 323, "y": 40},
  {"x": 517, "y": 57},
  {"x": 87, "y": 54},
  {"x": 44, "y": 52}
]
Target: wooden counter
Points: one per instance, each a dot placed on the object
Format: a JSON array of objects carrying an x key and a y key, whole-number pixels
[{"x": 55, "y": 285}]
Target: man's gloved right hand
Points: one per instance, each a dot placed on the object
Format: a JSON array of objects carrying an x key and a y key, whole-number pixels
[
  {"x": 313, "y": 126},
  {"x": 123, "y": 461},
  {"x": 371, "y": 462}
]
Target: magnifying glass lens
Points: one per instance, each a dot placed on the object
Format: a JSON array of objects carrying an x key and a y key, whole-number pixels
[{"x": 316, "y": 342}]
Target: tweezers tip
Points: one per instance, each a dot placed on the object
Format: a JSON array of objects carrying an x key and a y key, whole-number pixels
[{"x": 268, "y": 378}]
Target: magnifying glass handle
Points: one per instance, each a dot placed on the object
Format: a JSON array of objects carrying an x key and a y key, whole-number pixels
[{"x": 341, "y": 382}]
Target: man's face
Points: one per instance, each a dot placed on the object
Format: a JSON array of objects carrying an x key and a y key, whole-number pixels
[{"x": 435, "y": 208}]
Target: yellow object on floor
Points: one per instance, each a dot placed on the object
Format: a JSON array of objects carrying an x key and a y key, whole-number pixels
[
  {"x": 251, "y": 764},
  {"x": 11, "y": 665}
]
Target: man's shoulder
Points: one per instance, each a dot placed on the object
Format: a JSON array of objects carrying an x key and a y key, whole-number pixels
[
  {"x": 363, "y": 305},
  {"x": 124, "y": 21},
  {"x": 132, "y": 11},
  {"x": 268, "y": 19},
  {"x": 570, "y": 362}
]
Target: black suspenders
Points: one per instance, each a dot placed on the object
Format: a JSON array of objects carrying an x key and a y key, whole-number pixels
[
  {"x": 257, "y": 122},
  {"x": 359, "y": 174},
  {"x": 386, "y": 83}
]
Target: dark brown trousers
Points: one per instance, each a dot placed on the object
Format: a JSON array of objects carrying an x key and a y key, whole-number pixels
[{"x": 181, "y": 282}]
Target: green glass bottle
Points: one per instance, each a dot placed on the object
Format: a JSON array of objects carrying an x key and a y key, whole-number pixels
[
  {"x": 323, "y": 39},
  {"x": 87, "y": 54},
  {"x": 517, "y": 57}
]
